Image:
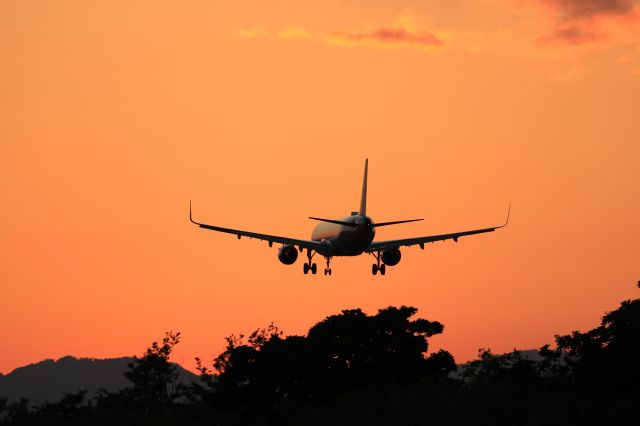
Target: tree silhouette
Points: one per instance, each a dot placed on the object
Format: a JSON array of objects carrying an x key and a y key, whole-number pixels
[
  {"x": 17, "y": 413},
  {"x": 354, "y": 348},
  {"x": 153, "y": 376},
  {"x": 342, "y": 351},
  {"x": 607, "y": 357}
]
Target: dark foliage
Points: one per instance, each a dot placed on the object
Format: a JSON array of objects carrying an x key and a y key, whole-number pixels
[
  {"x": 608, "y": 356},
  {"x": 341, "y": 352},
  {"x": 153, "y": 376},
  {"x": 354, "y": 368}
]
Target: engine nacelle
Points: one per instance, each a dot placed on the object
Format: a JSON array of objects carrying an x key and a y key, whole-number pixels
[
  {"x": 391, "y": 256},
  {"x": 287, "y": 254}
]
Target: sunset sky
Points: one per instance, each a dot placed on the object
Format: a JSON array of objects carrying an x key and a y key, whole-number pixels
[{"x": 114, "y": 114}]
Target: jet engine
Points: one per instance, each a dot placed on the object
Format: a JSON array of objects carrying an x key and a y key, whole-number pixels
[
  {"x": 391, "y": 256},
  {"x": 287, "y": 254}
]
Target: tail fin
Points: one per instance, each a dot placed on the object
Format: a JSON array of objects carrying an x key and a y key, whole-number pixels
[{"x": 363, "y": 200}]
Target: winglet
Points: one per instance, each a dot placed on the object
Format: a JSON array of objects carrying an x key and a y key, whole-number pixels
[
  {"x": 508, "y": 214},
  {"x": 363, "y": 199},
  {"x": 190, "y": 217}
]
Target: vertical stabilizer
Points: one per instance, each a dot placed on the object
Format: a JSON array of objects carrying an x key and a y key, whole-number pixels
[{"x": 363, "y": 200}]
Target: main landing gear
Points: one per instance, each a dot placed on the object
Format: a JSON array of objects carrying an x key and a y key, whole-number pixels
[
  {"x": 309, "y": 266},
  {"x": 377, "y": 266},
  {"x": 327, "y": 270}
]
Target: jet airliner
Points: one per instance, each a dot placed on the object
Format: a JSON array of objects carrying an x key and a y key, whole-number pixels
[{"x": 349, "y": 236}]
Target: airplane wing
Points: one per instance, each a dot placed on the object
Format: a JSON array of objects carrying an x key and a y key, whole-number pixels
[
  {"x": 381, "y": 245},
  {"x": 301, "y": 244}
]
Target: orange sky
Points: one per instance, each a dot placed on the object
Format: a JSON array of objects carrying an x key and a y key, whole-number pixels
[{"x": 114, "y": 114}]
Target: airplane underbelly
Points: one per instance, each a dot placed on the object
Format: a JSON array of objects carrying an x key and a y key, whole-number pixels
[
  {"x": 351, "y": 243},
  {"x": 342, "y": 240}
]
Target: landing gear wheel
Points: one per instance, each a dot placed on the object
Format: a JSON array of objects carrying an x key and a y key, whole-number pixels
[
  {"x": 327, "y": 270},
  {"x": 310, "y": 266},
  {"x": 374, "y": 269},
  {"x": 383, "y": 269}
]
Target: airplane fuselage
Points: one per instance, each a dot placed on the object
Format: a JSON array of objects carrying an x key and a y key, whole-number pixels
[{"x": 342, "y": 240}]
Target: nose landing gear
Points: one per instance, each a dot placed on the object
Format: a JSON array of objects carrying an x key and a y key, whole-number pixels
[{"x": 327, "y": 270}]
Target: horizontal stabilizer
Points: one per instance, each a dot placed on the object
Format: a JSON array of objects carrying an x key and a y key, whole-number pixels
[
  {"x": 395, "y": 222},
  {"x": 337, "y": 222}
]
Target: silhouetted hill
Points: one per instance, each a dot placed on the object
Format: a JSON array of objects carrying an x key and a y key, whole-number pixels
[
  {"x": 529, "y": 354},
  {"x": 48, "y": 380}
]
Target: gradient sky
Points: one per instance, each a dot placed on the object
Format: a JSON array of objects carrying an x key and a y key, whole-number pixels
[{"x": 114, "y": 114}]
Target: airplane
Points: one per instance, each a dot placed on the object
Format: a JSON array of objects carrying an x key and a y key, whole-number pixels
[{"x": 349, "y": 236}]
